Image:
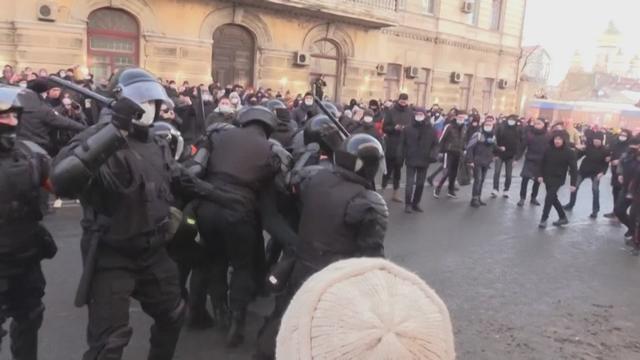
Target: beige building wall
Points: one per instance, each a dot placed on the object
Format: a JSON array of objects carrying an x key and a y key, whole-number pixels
[{"x": 176, "y": 40}]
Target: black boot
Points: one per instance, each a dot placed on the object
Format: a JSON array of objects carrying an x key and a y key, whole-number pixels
[
  {"x": 475, "y": 203},
  {"x": 235, "y": 336},
  {"x": 221, "y": 315}
]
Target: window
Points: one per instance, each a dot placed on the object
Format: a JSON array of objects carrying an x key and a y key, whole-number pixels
[
  {"x": 465, "y": 91},
  {"x": 325, "y": 57},
  {"x": 496, "y": 14},
  {"x": 472, "y": 17},
  {"x": 422, "y": 87},
  {"x": 392, "y": 81},
  {"x": 113, "y": 40},
  {"x": 429, "y": 6},
  {"x": 487, "y": 95}
]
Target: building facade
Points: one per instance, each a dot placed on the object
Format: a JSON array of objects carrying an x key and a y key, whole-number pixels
[{"x": 452, "y": 52}]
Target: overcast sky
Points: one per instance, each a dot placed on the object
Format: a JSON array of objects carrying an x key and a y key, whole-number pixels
[{"x": 563, "y": 26}]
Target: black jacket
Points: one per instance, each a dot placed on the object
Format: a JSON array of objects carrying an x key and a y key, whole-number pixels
[
  {"x": 508, "y": 137},
  {"x": 369, "y": 129},
  {"x": 303, "y": 113},
  {"x": 535, "y": 143},
  {"x": 417, "y": 144},
  {"x": 555, "y": 164},
  {"x": 452, "y": 139},
  {"x": 397, "y": 115},
  {"x": 481, "y": 149},
  {"x": 39, "y": 120},
  {"x": 595, "y": 161}
]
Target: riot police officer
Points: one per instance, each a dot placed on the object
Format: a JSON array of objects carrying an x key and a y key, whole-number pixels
[
  {"x": 24, "y": 242},
  {"x": 242, "y": 163},
  {"x": 286, "y": 127},
  {"x": 341, "y": 217},
  {"x": 125, "y": 178}
]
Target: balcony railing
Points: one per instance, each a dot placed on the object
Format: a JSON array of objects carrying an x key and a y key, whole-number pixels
[{"x": 370, "y": 13}]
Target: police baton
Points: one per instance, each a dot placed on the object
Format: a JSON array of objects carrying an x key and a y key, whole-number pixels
[
  {"x": 335, "y": 121},
  {"x": 82, "y": 91}
]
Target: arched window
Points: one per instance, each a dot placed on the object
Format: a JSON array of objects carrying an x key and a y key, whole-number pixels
[
  {"x": 325, "y": 60},
  {"x": 113, "y": 38}
]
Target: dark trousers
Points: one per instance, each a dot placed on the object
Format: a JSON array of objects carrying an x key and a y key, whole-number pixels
[
  {"x": 21, "y": 300},
  {"x": 615, "y": 185},
  {"x": 534, "y": 189},
  {"x": 552, "y": 200},
  {"x": 621, "y": 210},
  {"x": 416, "y": 176},
  {"x": 497, "y": 169},
  {"x": 479, "y": 174},
  {"x": 595, "y": 189},
  {"x": 156, "y": 286},
  {"x": 200, "y": 287},
  {"x": 452, "y": 161},
  {"x": 231, "y": 241},
  {"x": 394, "y": 168}
]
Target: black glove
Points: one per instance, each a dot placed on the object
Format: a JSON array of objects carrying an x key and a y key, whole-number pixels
[{"x": 124, "y": 111}]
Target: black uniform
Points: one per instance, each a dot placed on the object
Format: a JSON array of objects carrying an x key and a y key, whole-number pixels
[
  {"x": 243, "y": 164},
  {"x": 24, "y": 242},
  {"x": 126, "y": 211}
]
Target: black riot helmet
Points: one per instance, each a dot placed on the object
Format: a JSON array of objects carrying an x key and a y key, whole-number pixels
[
  {"x": 275, "y": 104},
  {"x": 257, "y": 114},
  {"x": 143, "y": 88},
  {"x": 321, "y": 130},
  {"x": 169, "y": 133},
  {"x": 280, "y": 109},
  {"x": 219, "y": 127},
  {"x": 331, "y": 108},
  {"x": 10, "y": 112},
  {"x": 361, "y": 154}
]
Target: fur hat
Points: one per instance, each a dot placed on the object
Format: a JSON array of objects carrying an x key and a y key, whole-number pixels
[{"x": 365, "y": 308}]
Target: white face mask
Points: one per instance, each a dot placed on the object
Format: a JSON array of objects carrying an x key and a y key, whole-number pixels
[
  {"x": 308, "y": 102},
  {"x": 149, "y": 114},
  {"x": 511, "y": 122},
  {"x": 460, "y": 121},
  {"x": 488, "y": 128},
  {"x": 234, "y": 101},
  {"x": 622, "y": 138},
  {"x": 420, "y": 118},
  {"x": 367, "y": 119},
  {"x": 225, "y": 109}
]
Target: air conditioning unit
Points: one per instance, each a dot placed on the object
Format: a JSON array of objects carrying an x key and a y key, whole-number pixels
[
  {"x": 467, "y": 6},
  {"x": 381, "y": 69},
  {"x": 412, "y": 72},
  {"x": 503, "y": 83},
  {"x": 302, "y": 58},
  {"x": 456, "y": 77},
  {"x": 47, "y": 11}
]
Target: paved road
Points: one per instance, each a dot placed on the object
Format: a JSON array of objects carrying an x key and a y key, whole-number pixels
[{"x": 514, "y": 292}]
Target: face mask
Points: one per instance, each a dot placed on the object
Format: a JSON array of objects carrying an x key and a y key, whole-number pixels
[
  {"x": 225, "y": 109},
  {"x": 62, "y": 74},
  {"x": 23, "y": 85},
  {"x": 622, "y": 138},
  {"x": 511, "y": 122},
  {"x": 420, "y": 118},
  {"x": 7, "y": 137},
  {"x": 149, "y": 114},
  {"x": 308, "y": 102},
  {"x": 459, "y": 121},
  {"x": 234, "y": 101},
  {"x": 488, "y": 128},
  {"x": 367, "y": 119}
]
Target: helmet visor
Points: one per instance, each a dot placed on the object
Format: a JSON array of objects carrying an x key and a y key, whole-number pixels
[{"x": 146, "y": 91}]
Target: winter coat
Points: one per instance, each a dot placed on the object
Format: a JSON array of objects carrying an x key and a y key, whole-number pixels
[
  {"x": 397, "y": 115},
  {"x": 481, "y": 149},
  {"x": 452, "y": 138},
  {"x": 534, "y": 144},
  {"x": 418, "y": 144},
  {"x": 508, "y": 137},
  {"x": 595, "y": 161},
  {"x": 303, "y": 113},
  {"x": 555, "y": 164}
]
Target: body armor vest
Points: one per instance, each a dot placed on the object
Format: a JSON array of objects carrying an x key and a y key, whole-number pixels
[{"x": 324, "y": 235}]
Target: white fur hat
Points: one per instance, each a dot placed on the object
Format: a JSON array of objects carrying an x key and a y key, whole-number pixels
[{"x": 365, "y": 308}]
